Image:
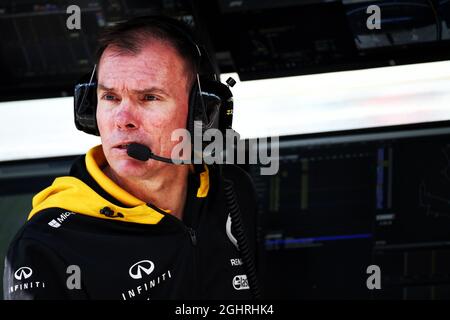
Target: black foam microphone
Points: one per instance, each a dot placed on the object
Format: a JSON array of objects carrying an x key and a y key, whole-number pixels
[{"x": 143, "y": 153}]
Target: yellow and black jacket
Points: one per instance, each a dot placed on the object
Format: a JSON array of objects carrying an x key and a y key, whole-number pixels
[{"x": 86, "y": 238}]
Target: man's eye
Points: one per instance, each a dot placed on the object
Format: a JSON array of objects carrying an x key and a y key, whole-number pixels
[
  {"x": 149, "y": 97},
  {"x": 109, "y": 97}
]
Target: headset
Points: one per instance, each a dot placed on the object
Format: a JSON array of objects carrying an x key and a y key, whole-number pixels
[{"x": 210, "y": 101}]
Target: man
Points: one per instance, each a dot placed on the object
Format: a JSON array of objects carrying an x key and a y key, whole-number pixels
[{"x": 120, "y": 228}]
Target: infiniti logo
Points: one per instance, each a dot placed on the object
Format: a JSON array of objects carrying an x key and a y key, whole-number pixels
[
  {"x": 23, "y": 273},
  {"x": 145, "y": 266}
]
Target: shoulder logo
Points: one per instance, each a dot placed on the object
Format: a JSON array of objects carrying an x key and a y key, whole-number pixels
[
  {"x": 23, "y": 273},
  {"x": 56, "y": 223},
  {"x": 143, "y": 266}
]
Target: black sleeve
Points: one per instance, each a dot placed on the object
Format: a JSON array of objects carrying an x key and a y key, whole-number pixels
[{"x": 33, "y": 272}]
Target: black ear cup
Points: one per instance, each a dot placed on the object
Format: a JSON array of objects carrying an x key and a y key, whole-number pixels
[
  {"x": 85, "y": 107},
  {"x": 218, "y": 105},
  {"x": 210, "y": 107}
]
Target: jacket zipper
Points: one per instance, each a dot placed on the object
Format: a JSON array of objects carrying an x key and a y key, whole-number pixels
[
  {"x": 193, "y": 238},
  {"x": 190, "y": 231}
]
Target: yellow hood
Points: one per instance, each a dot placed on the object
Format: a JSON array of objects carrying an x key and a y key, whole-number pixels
[{"x": 74, "y": 195}]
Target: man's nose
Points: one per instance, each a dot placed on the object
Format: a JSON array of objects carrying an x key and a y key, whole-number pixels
[{"x": 126, "y": 118}]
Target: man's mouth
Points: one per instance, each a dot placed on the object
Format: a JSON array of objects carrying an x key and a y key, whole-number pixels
[{"x": 123, "y": 146}]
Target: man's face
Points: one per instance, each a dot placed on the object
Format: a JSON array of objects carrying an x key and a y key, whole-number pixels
[{"x": 141, "y": 98}]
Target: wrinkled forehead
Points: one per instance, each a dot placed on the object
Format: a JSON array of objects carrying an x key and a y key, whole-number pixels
[{"x": 157, "y": 61}]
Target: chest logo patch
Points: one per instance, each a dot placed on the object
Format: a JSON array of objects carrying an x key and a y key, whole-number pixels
[{"x": 142, "y": 267}]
